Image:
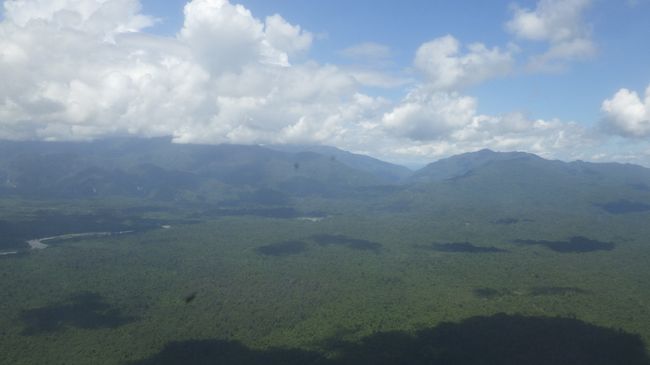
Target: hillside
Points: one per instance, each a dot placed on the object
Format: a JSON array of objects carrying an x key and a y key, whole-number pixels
[{"x": 157, "y": 168}]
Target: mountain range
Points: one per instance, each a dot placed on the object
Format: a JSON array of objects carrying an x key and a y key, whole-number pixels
[{"x": 157, "y": 169}]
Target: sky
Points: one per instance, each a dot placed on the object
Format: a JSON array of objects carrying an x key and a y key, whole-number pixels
[{"x": 408, "y": 82}]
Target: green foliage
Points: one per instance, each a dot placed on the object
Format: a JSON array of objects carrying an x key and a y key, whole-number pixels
[
  {"x": 253, "y": 262},
  {"x": 317, "y": 294}
]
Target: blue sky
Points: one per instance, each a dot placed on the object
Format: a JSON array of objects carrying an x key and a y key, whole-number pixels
[
  {"x": 409, "y": 81},
  {"x": 620, "y": 30}
]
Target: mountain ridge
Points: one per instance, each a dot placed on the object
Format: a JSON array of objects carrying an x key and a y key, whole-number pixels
[{"x": 156, "y": 168}]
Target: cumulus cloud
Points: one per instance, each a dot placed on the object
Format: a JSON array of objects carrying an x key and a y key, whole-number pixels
[
  {"x": 307, "y": 103},
  {"x": 426, "y": 116},
  {"x": 226, "y": 77},
  {"x": 439, "y": 124},
  {"x": 559, "y": 23},
  {"x": 72, "y": 84},
  {"x": 286, "y": 37},
  {"x": 85, "y": 69},
  {"x": 100, "y": 17},
  {"x": 627, "y": 114},
  {"x": 548, "y": 138},
  {"x": 226, "y": 37},
  {"x": 447, "y": 68}
]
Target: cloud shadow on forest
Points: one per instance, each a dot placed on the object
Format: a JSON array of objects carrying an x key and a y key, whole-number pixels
[{"x": 498, "y": 339}]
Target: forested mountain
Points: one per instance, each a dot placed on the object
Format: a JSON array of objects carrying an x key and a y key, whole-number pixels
[{"x": 156, "y": 169}]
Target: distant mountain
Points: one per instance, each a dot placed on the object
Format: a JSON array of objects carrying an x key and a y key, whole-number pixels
[
  {"x": 390, "y": 173},
  {"x": 465, "y": 164},
  {"x": 524, "y": 167},
  {"x": 157, "y": 168},
  {"x": 255, "y": 176},
  {"x": 515, "y": 181}
]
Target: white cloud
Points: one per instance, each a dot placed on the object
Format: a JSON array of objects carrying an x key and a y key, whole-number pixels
[
  {"x": 550, "y": 139},
  {"x": 552, "y": 20},
  {"x": 626, "y": 114},
  {"x": 83, "y": 69},
  {"x": 225, "y": 78},
  {"x": 435, "y": 124},
  {"x": 101, "y": 17},
  {"x": 306, "y": 102},
  {"x": 447, "y": 69},
  {"x": 427, "y": 116},
  {"x": 226, "y": 37},
  {"x": 286, "y": 37},
  {"x": 559, "y": 23}
]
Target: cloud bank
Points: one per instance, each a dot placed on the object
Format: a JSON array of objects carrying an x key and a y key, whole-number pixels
[{"x": 86, "y": 69}]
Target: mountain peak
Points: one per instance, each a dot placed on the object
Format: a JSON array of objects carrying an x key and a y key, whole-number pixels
[
  {"x": 388, "y": 172},
  {"x": 488, "y": 153},
  {"x": 484, "y": 151},
  {"x": 462, "y": 164}
]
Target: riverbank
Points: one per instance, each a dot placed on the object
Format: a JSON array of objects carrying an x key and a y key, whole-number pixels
[{"x": 38, "y": 244}]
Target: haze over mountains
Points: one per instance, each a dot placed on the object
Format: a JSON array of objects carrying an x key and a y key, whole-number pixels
[
  {"x": 268, "y": 175},
  {"x": 149, "y": 168}
]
